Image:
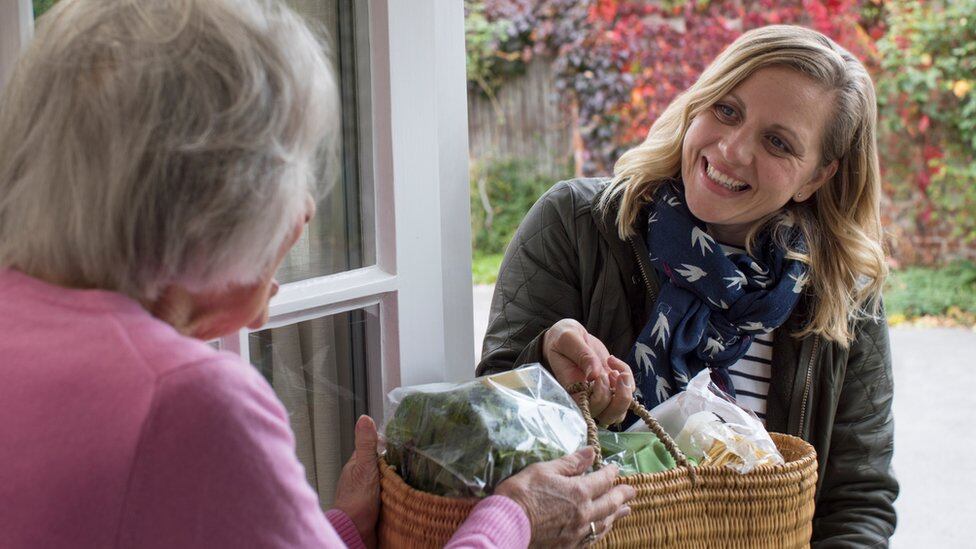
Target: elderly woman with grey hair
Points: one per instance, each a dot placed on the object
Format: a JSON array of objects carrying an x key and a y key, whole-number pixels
[{"x": 156, "y": 164}]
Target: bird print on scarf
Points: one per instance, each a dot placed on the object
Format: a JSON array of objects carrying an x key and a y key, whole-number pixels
[{"x": 710, "y": 304}]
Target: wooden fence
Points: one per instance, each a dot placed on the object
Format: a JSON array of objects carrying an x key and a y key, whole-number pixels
[{"x": 526, "y": 119}]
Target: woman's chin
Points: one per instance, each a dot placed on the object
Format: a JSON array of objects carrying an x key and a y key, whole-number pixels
[{"x": 706, "y": 211}]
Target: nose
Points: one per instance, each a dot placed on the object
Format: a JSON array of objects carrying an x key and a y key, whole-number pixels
[{"x": 737, "y": 146}]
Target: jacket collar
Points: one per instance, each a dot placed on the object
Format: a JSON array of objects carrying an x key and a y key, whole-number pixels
[
  {"x": 629, "y": 254},
  {"x": 605, "y": 219}
]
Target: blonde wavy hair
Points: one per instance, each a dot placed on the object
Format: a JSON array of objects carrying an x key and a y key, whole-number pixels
[
  {"x": 841, "y": 222},
  {"x": 150, "y": 142}
]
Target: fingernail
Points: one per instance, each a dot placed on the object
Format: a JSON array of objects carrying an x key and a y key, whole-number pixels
[
  {"x": 625, "y": 510},
  {"x": 362, "y": 422}
]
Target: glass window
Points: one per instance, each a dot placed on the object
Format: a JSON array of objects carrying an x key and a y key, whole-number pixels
[
  {"x": 318, "y": 369},
  {"x": 339, "y": 237}
]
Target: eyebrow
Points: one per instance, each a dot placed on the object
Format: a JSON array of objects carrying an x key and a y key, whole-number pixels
[{"x": 798, "y": 148}]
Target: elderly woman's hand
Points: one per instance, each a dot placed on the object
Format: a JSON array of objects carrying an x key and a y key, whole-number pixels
[
  {"x": 574, "y": 355},
  {"x": 561, "y": 504},
  {"x": 358, "y": 490}
]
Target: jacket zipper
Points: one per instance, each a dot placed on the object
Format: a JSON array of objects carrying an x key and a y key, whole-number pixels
[
  {"x": 806, "y": 386},
  {"x": 640, "y": 267}
]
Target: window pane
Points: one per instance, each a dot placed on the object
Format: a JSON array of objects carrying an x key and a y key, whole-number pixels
[
  {"x": 318, "y": 369},
  {"x": 339, "y": 238}
]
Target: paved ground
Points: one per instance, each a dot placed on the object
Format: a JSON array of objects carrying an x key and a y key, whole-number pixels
[{"x": 935, "y": 430}]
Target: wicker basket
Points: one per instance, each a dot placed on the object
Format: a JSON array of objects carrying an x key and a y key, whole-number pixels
[{"x": 689, "y": 506}]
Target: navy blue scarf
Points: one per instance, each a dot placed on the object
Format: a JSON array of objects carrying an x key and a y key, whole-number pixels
[{"x": 710, "y": 304}]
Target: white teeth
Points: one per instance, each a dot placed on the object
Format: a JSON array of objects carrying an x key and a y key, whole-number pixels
[{"x": 724, "y": 180}]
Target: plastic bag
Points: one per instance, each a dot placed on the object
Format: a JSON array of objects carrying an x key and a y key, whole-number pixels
[
  {"x": 635, "y": 453},
  {"x": 461, "y": 440},
  {"x": 708, "y": 425}
]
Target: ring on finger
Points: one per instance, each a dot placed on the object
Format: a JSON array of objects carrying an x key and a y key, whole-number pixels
[{"x": 592, "y": 536}]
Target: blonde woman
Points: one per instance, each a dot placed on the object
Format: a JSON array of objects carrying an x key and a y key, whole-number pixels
[
  {"x": 743, "y": 235},
  {"x": 155, "y": 166}
]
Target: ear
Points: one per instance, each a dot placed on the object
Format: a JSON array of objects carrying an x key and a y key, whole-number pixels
[{"x": 823, "y": 175}]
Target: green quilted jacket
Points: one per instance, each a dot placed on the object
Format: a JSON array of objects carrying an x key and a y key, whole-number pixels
[{"x": 567, "y": 261}]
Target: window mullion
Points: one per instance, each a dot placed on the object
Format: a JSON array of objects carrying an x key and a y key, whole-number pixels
[{"x": 16, "y": 29}]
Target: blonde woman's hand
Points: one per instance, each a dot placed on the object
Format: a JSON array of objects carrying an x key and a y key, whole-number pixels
[
  {"x": 561, "y": 501},
  {"x": 574, "y": 355}
]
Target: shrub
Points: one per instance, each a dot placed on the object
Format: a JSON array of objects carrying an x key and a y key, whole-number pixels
[
  {"x": 41, "y": 6},
  {"x": 920, "y": 291},
  {"x": 502, "y": 191},
  {"x": 928, "y": 109}
]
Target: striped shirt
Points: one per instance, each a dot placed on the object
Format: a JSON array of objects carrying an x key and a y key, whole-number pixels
[{"x": 751, "y": 375}]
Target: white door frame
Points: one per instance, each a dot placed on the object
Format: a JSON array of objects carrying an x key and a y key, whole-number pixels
[
  {"x": 422, "y": 52},
  {"x": 16, "y": 29}
]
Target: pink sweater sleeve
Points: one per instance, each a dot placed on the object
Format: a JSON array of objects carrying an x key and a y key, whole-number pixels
[
  {"x": 345, "y": 528},
  {"x": 215, "y": 466},
  {"x": 495, "y": 522}
]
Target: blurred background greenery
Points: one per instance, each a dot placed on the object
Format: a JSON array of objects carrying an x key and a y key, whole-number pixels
[{"x": 41, "y": 6}]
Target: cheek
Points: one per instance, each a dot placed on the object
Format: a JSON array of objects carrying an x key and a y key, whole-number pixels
[
  {"x": 702, "y": 132},
  {"x": 693, "y": 136},
  {"x": 782, "y": 182},
  {"x": 257, "y": 313},
  {"x": 688, "y": 150}
]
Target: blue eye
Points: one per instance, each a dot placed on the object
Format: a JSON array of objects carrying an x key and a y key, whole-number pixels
[
  {"x": 724, "y": 110},
  {"x": 779, "y": 143}
]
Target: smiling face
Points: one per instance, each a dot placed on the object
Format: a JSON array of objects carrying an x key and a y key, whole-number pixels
[{"x": 754, "y": 150}]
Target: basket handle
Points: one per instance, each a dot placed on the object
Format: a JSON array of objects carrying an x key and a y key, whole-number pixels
[{"x": 581, "y": 392}]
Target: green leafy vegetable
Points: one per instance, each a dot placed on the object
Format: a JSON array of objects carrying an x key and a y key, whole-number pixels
[{"x": 464, "y": 441}]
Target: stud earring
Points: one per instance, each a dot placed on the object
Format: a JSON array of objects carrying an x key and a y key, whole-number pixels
[{"x": 799, "y": 196}]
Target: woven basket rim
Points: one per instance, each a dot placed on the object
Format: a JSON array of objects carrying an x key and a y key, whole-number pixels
[
  {"x": 807, "y": 460},
  {"x": 391, "y": 473}
]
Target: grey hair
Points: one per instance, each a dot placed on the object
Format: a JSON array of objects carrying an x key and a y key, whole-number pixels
[{"x": 146, "y": 143}]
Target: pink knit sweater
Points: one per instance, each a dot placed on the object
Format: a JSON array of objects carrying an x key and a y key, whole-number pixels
[{"x": 116, "y": 431}]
